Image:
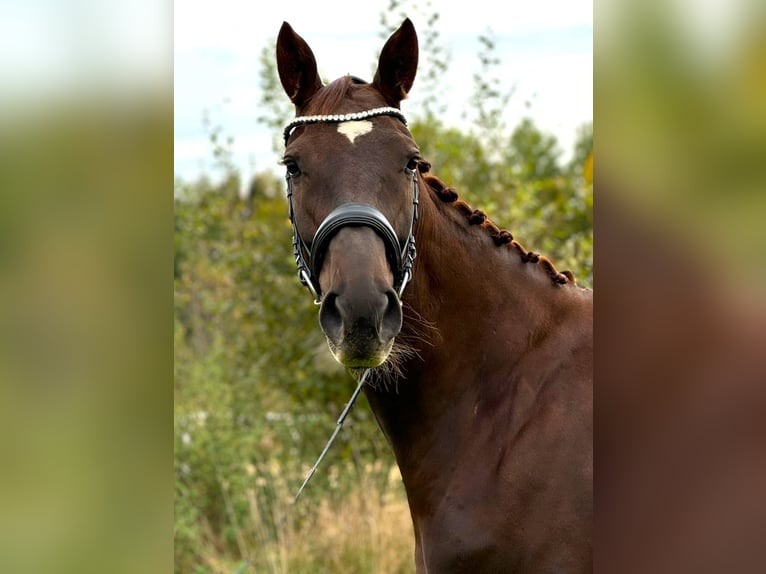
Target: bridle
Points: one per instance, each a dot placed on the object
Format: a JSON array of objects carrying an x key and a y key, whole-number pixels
[{"x": 400, "y": 256}]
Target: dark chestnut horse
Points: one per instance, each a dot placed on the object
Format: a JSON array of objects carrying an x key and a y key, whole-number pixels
[{"x": 482, "y": 367}]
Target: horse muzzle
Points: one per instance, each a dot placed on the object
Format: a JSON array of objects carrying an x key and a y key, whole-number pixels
[{"x": 361, "y": 313}]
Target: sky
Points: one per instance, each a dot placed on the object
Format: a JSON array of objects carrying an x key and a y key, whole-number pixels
[{"x": 545, "y": 50}]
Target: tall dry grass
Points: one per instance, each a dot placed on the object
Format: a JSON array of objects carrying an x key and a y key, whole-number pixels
[{"x": 357, "y": 526}]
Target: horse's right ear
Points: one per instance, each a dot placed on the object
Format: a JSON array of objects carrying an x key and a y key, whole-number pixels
[{"x": 297, "y": 66}]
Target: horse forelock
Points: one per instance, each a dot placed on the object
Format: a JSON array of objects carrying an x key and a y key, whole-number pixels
[
  {"x": 499, "y": 236},
  {"x": 329, "y": 98}
]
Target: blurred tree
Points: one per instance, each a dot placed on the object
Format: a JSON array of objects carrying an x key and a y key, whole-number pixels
[
  {"x": 488, "y": 101},
  {"x": 531, "y": 154},
  {"x": 583, "y": 149},
  {"x": 274, "y": 109}
]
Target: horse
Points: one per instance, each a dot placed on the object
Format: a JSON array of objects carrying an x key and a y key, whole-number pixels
[{"x": 480, "y": 351}]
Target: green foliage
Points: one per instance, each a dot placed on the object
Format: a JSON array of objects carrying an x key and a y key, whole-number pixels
[
  {"x": 255, "y": 393},
  {"x": 275, "y": 110},
  {"x": 552, "y": 207},
  {"x": 488, "y": 101},
  {"x": 434, "y": 58},
  {"x": 583, "y": 149},
  {"x": 522, "y": 187}
]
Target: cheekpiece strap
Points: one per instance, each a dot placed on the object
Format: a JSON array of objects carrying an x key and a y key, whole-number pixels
[{"x": 338, "y": 118}]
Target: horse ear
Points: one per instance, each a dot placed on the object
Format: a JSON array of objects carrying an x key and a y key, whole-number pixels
[
  {"x": 297, "y": 66},
  {"x": 397, "y": 64}
]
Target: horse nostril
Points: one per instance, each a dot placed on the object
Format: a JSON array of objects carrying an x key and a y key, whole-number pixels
[
  {"x": 330, "y": 317},
  {"x": 378, "y": 317},
  {"x": 391, "y": 322}
]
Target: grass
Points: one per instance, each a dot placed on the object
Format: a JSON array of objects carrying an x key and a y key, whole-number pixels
[{"x": 361, "y": 526}]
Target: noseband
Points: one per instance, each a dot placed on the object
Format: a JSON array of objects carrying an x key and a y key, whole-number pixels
[{"x": 400, "y": 256}]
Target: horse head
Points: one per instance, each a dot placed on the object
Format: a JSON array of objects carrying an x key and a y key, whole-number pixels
[{"x": 352, "y": 181}]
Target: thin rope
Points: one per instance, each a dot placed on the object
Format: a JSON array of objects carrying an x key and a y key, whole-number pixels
[{"x": 338, "y": 426}]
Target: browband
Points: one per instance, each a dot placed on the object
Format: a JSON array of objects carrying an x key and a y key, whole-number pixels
[{"x": 338, "y": 118}]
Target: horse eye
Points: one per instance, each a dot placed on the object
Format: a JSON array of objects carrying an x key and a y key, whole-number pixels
[
  {"x": 292, "y": 167},
  {"x": 412, "y": 165}
]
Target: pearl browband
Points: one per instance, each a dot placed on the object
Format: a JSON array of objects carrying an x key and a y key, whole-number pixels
[{"x": 337, "y": 118}]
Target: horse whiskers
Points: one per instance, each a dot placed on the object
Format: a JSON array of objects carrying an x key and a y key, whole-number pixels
[
  {"x": 418, "y": 328},
  {"x": 412, "y": 340},
  {"x": 417, "y": 332},
  {"x": 391, "y": 371}
]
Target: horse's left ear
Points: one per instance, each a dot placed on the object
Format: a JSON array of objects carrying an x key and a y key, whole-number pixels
[{"x": 397, "y": 64}]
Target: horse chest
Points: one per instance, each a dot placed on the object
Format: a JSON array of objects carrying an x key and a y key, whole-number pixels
[
  {"x": 457, "y": 543},
  {"x": 501, "y": 505}
]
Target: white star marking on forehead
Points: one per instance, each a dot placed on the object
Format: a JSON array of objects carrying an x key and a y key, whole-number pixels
[{"x": 354, "y": 129}]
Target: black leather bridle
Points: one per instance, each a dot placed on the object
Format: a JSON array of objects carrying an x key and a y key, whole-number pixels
[{"x": 401, "y": 256}]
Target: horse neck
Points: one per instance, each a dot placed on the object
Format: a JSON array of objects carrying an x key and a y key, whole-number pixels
[
  {"x": 472, "y": 310},
  {"x": 468, "y": 291}
]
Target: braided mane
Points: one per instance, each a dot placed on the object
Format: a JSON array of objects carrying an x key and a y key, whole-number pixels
[{"x": 499, "y": 236}]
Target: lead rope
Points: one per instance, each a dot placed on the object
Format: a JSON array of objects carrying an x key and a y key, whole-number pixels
[{"x": 338, "y": 426}]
